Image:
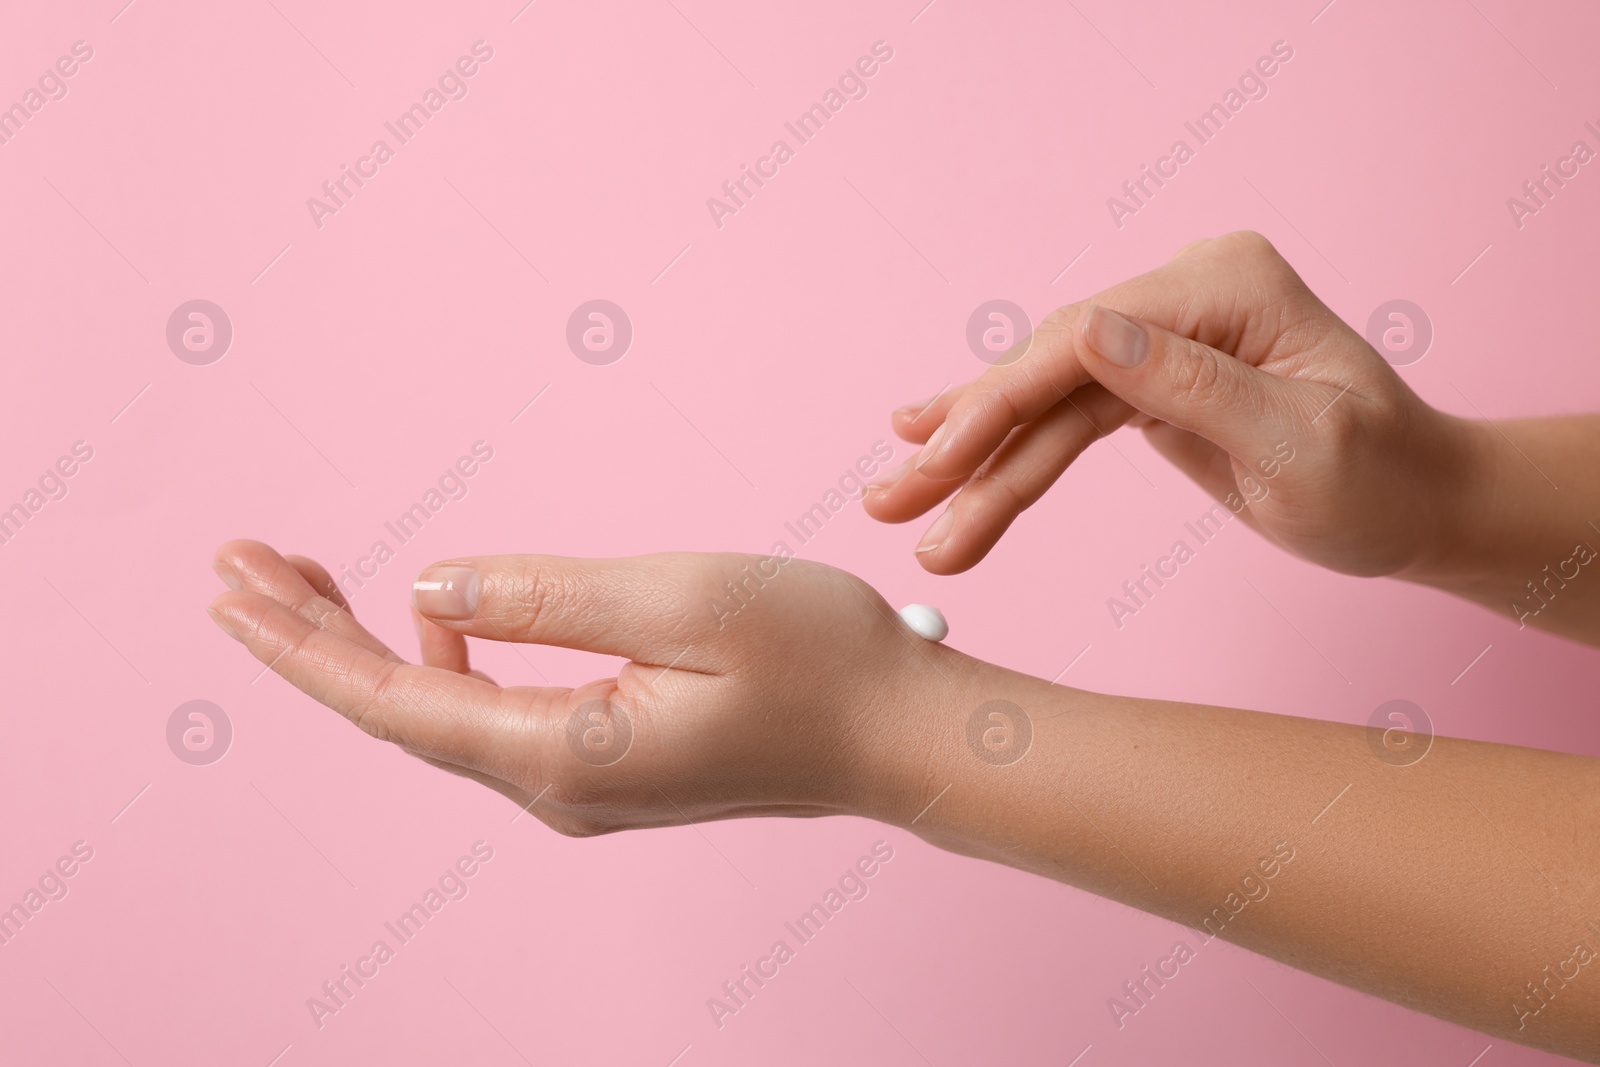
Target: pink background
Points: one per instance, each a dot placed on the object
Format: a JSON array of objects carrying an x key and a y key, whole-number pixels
[{"x": 370, "y": 353}]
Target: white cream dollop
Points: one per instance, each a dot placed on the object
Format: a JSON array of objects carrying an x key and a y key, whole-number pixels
[{"x": 926, "y": 621}]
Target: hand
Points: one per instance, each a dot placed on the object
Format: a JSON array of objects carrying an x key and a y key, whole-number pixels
[
  {"x": 1241, "y": 377},
  {"x": 782, "y": 705}
]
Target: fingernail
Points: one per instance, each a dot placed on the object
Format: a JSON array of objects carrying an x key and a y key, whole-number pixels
[
  {"x": 913, "y": 410},
  {"x": 229, "y": 576},
  {"x": 222, "y": 623},
  {"x": 938, "y": 531},
  {"x": 888, "y": 478},
  {"x": 932, "y": 447},
  {"x": 448, "y": 591},
  {"x": 1119, "y": 340}
]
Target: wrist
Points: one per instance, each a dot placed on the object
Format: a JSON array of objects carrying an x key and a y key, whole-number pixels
[
  {"x": 948, "y": 744},
  {"x": 1458, "y": 534}
]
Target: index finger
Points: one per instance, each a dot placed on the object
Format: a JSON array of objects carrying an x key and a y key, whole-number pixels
[{"x": 1210, "y": 292}]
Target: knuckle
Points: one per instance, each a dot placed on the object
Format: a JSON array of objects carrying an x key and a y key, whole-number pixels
[
  {"x": 1265, "y": 267},
  {"x": 995, "y": 407},
  {"x": 993, "y": 490},
  {"x": 366, "y": 713},
  {"x": 1339, "y": 428},
  {"x": 1250, "y": 243},
  {"x": 1195, "y": 375},
  {"x": 319, "y": 610},
  {"x": 531, "y": 591},
  {"x": 1059, "y": 322}
]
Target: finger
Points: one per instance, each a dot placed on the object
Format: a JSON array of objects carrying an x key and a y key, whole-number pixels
[
  {"x": 916, "y": 422},
  {"x": 441, "y": 648},
  {"x": 1022, "y": 469},
  {"x": 1070, "y": 426},
  {"x": 1239, "y": 408},
  {"x": 631, "y": 607},
  {"x": 257, "y": 567},
  {"x": 317, "y": 576},
  {"x": 1231, "y": 293},
  {"x": 903, "y": 494},
  {"x": 441, "y": 714}
]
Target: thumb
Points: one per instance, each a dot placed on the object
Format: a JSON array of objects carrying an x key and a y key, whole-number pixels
[
  {"x": 1186, "y": 384},
  {"x": 615, "y": 607}
]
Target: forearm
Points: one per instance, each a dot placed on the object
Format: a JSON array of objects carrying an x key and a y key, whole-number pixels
[
  {"x": 1445, "y": 885},
  {"x": 1525, "y": 526}
]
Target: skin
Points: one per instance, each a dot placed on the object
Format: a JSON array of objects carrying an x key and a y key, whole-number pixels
[
  {"x": 1243, "y": 359},
  {"x": 1442, "y": 874}
]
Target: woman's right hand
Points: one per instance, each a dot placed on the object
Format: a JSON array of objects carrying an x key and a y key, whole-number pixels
[{"x": 1241, "y": 377}]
